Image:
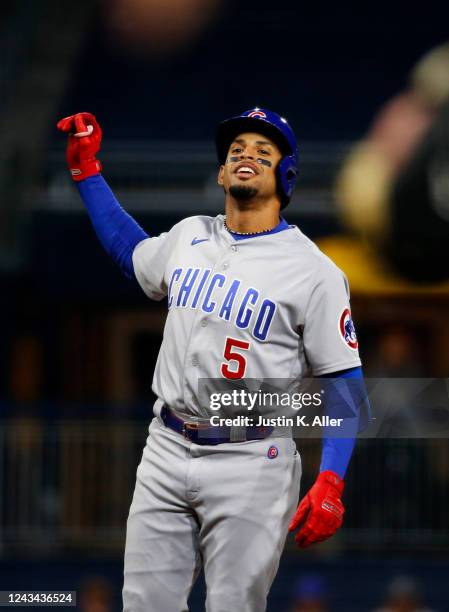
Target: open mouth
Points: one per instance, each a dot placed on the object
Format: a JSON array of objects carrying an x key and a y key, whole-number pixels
[{"x": 245, "y": 171}]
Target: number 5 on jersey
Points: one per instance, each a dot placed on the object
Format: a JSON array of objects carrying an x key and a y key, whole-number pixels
[{"x": 231, "y": 355}]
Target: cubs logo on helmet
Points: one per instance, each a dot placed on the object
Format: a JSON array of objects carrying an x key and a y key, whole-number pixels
[
  {"x": 347, "y": 329},
  {"x": 257, "y": 113}
]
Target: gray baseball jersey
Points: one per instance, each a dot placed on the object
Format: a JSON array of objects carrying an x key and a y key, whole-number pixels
[{"x": 272, "y": 306}]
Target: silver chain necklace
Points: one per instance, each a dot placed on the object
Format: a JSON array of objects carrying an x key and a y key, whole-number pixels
[{"x": 245, "y": 233}]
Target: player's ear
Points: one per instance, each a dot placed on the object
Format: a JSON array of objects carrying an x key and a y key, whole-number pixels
[{"x": 220, "y": 175}]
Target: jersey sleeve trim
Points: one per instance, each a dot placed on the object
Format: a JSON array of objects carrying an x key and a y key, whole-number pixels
[{"x": 337, "y": 367}]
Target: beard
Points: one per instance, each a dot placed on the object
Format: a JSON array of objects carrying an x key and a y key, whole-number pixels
[{"x": 243, "y": 192}]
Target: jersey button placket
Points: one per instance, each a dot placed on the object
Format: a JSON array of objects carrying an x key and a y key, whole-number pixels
[{"x": 226, "y": 264}]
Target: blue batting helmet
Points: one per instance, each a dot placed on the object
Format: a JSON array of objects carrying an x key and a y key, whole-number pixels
[{"x": 278, "y": 130}]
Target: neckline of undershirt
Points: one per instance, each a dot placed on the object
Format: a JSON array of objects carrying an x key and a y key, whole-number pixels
[{"x": 280, "y": 227}]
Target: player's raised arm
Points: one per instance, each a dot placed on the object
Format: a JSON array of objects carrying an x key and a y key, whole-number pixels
[{"x": 118, "y": 232}]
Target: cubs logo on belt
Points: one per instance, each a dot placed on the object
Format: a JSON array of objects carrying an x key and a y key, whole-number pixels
[{"x": 272, "y": 452}]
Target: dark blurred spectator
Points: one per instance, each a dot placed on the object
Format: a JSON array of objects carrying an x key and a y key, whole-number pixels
[
  {"x": 393, "y": 188},
  {"x": 310, "y": 594},
  {"x": 96, "y": 595},
  {"x": 400, "y": 403},
  {"x": 396, "y": 354},
  {"x": 403, "y": 596},
  {"x": 396, "y": 358}
]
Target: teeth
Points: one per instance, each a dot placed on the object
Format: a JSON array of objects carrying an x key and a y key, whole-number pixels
[{"x": 246, "y": 169}]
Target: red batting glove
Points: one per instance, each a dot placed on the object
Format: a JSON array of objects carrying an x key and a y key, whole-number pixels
[
  {"x": 320, "y": 513},
  {"x": 83, "y": 144}
]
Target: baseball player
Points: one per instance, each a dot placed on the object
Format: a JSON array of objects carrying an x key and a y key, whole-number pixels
[{"x": 249, "y": 297}]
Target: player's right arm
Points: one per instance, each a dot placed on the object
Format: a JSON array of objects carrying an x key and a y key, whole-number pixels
[{"x": 118, "y": 232}]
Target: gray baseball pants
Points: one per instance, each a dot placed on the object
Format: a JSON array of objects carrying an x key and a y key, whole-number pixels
[{"x": 225, "y": 507}]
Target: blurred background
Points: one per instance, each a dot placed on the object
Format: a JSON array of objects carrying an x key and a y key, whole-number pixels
[{"x": 367, "y": 92}]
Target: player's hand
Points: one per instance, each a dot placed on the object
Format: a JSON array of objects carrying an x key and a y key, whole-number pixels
[
  {"x": 83, "y": 144},
  {"x": 320, "y": 513}
]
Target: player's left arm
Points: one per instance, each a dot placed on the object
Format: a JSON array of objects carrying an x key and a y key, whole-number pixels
[
  {"x": 331, "y": 348},
  {"x": 321, "y": 511}
]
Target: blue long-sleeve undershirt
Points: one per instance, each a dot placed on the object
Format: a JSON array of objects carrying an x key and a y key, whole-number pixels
[
  {"x": 117, "y": 231},
  {"x": 345, "y": 399}
]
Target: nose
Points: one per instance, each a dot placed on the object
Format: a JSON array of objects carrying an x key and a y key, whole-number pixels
[{"x": 246, "y": 154}]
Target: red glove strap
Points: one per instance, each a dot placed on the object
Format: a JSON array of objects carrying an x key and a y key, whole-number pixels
[
  {"x": 333, "y": 479},
  {"x": 86, "y": 169}
]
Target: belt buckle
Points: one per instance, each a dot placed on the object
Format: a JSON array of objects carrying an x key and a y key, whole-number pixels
[
  {"x": 188, "y": 425},
  {"x": 193, "y": 426}
]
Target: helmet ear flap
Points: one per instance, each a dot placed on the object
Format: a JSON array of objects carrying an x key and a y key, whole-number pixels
[{"x": 287, "y": 174}]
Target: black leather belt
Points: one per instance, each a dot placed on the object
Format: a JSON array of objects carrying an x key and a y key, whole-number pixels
[{"x": 202, "y": 433}]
